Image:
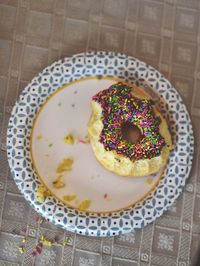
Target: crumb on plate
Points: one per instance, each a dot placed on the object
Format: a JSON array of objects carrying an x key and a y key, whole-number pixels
[
  {"x": 69, "y": 139},
  {"x": 84, "y": 205},
  {"x": 42, "y": 193},
  {"x": 69, "y": 197},
  {"x": 58, "y": 183},
  {"x": 149, "y": 181},
  {"x": 39, "y": 137},
  {"x": 64, "y": 166}
]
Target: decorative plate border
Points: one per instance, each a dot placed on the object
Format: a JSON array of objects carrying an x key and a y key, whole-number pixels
[{"x": 131, "y": 70}]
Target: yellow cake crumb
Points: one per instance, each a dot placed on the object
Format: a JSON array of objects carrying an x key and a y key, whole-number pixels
[
  {"x": 58, "y": 183},
  {"x": 41, "y": 220},
  {"x": 69, "y": 197},
  {"x": 69, "y": 139},
  {"x": 41, "y": 194},
  {"x": 149, "y": 181},
  {"x": 39, "y": 137},
  {"x": 84, "y": 205},
  {"x": 64, "y": 166}
]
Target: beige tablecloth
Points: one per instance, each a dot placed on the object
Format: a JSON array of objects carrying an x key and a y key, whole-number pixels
[{"x": 35, "y": 33}]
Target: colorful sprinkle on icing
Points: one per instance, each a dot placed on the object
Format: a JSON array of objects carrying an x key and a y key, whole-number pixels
[{"x": 119, "y": 107}]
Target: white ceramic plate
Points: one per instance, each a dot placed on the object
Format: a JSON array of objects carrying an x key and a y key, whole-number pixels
[{"x": 53, "y": 106}]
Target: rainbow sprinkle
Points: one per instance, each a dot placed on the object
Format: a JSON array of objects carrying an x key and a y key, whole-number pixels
[{"x": 119, "y": 107}]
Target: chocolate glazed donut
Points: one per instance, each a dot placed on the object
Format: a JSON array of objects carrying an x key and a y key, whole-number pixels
[{"x": 130, "y": 128}]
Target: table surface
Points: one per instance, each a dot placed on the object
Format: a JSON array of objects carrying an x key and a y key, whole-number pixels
[{"x": 35, "y": 33}]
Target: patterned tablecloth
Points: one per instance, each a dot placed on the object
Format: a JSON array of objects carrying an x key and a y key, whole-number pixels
[{"x": 35, "y": 33}]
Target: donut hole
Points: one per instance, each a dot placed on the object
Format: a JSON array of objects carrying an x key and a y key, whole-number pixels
[{"x": 131, "y": 133}]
